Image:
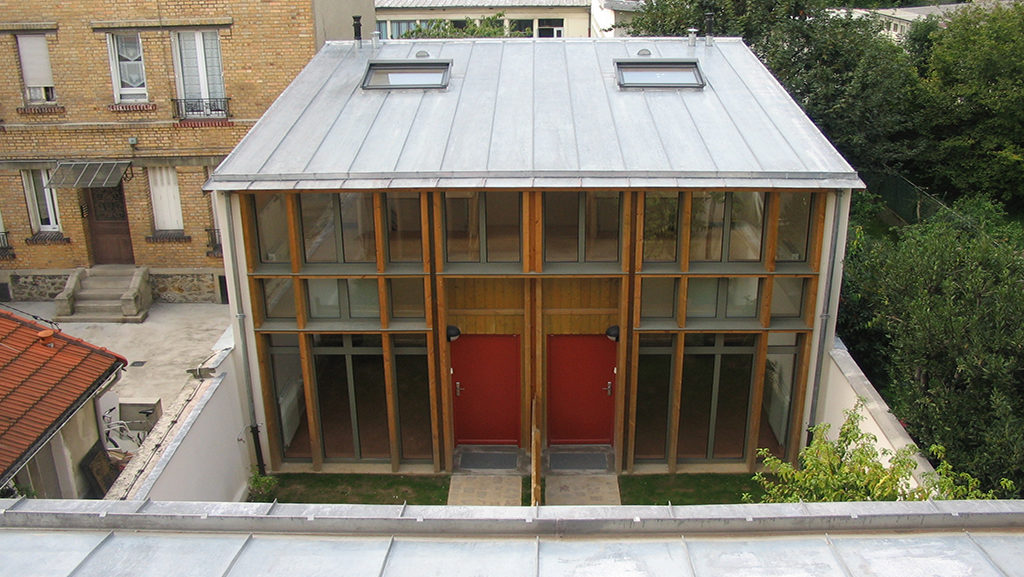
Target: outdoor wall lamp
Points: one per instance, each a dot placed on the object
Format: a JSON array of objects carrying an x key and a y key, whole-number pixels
[
  {"x": 452, "y": 332},
  {"x": 612, "y": 333}
]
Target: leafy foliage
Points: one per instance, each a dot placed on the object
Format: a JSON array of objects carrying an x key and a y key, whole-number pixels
[
  {"x": 945, "y": 298},
  {"x": 487, "y": 27}
]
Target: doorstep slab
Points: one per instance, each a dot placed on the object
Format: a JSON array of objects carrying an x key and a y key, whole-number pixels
[
  {"x": 486, "y": 490},
  {"x": 582, "y": 490}
]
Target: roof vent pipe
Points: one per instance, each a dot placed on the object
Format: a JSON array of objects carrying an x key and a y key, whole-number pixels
[
  {"x": 709, "y": 34},
  {"x": 692, "y": 37},
  {"x": 376, "y": 39},
  {"x": 357, "y": 29}
]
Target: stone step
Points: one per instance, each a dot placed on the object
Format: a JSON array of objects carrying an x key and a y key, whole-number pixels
[
  {"x": 99, "y": 307},
  {"x": 112, "y": 270},
  {"x": 101, "y": 318},
  {"x": 106, "y": 282},
  {"x": 99, "y": 294}
]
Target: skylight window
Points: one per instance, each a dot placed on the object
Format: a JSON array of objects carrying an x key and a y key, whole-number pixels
[
  {"x": 407, "y": 74},
  {"x": 659, "y": 73}
]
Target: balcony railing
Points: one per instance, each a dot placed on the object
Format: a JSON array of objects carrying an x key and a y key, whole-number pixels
[
  {"x": 6, "y": 250},
  {"x": 188, "y": 108},
  {"x": 214, "y": 243}
]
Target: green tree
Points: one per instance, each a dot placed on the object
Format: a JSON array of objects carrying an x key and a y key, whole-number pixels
[
  {"x": 946, "y": 296},
  {"x": 975, "y": 71},
  {"x": 487, "y": 27}
]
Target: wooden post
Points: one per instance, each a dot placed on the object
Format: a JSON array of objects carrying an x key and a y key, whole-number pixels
[
  {"x": 316, "y": 446},
  {"x": 389, "y": 401}
]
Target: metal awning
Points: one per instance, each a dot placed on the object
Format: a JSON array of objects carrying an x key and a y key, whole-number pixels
[{"x": 88, "y": 174}]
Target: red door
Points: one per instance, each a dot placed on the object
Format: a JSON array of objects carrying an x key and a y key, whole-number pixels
[
  {"x": 485, "y": 389},
  {"x": 581, "y": 389}
]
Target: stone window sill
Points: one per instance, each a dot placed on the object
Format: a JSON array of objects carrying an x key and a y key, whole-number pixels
[
  {"x": 132, "y": 107},
  {"x": 203, "y": 122},
  {"x": 34, "y": 109},
  {"x": 174, "y": 236}
]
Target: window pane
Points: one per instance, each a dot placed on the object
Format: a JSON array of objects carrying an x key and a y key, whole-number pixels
[
  {"x": 405, "y": 232},
  {"x": 291, "y": 404},
  {"x": 335, "y": 406},
  {"x": 561, "y": 226},
  {"x": 324, "y": 299},
  {"x": 211, "y": 57},
  {"x": 279, "y": 298},
  {"x": 742, "y": 298},
  {"x": 462, "y": 226},
  {"x": 654, "y": 380},
  {"x": 272, "y": 227},
  {"x": 319, "y": 228},
  {"x": 357, "y": 227},
  {"x": 707, "y": 217},
  {"x": 657, "y": 298},
  {"x": 746, "y": 221},
  {"x": 778, "y": 397},
  {"x": 371, "y": 406},
  {"x": 733, "y": 400},
  {"x": 503, "y": 216},
  {"x": 363, "y": 298},
  {"x": 794, "y": 225},
  {"x": 702, "y": 298},
  {"x": 602, "y": 226},
  {"x": 413, "y": 384},
  {"x": 787, "y": 297},
  {"x": 407, "y": 300},
  {"x": 661, "y": 226},
  {"x": 695, "y": 407},
  {"x": 782, "y": 339}
]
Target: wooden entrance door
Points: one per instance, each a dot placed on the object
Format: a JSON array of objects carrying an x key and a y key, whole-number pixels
[
  {"x": 486, "y": 389},
  {"x": 108, "y": 226},
  {"x": 581, "y": 389}
]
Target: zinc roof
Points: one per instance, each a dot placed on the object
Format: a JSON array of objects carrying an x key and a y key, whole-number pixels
[
  {"x": 534, "y": 113},
  {"x": 42, "y": 383},
  {"x": 379, "y": 4}
]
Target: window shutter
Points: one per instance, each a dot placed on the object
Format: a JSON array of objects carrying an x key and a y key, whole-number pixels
[
  {"x": 163, "y": 187},
  {"x": 35, "y": 60}
]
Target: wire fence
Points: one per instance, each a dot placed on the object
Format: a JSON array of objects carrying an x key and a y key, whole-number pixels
[{"x": 908, "y": 202}]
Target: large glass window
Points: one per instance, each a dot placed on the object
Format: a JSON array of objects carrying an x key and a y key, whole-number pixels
[
  {"x": 286, "y": 368},
  {"x": 412, "y": 380},
  {"x": 352, "y": 394},
  {"x": 324, "y": 241},
  {"x": 654, "y": 386},
  {"x": 407, "y": 298},
  {"x": 787, "y": 297},
  {"x": 126, "y": 67},
  {"x": 272, "y": 227},
  {"x": 794, "y": 226},
  {"x": 657, "y": 298},
  {"x": 717, "y": 377},
  {"x": 343, "y": 298},
  {"x": 779, "y": 385},
  {"x": 405, "y": 229},
  {"x": 483, "y": 226},
  {"x": 733, "y": 298},
  {"x": 727, "y": 226},
  {"x": 661, "y": 226},
  {"x": 581, "y": 226},
  {"x": 279, "y": 298}
]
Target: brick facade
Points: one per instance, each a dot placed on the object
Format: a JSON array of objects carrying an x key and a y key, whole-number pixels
[{"x": 263, "y": 45}]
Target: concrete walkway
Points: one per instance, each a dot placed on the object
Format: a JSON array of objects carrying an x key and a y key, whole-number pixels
[
  {"x": 581, "y": 490},
  {"x": 491, "y": 490}
]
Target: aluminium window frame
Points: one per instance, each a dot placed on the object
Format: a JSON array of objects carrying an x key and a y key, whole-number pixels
[
  {"x": 626, "y": 64},
  {"x": 203, "y": 73},
  {"x": 121, "y": 94},
  {"x": 47, "y": 91},
  {"x": 48, "y": 197},
  {"x": 443, "y": 65}
]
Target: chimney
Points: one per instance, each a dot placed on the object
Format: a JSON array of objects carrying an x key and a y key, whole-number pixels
[
  {"x": 357, "y": 29},
  {"x": 692, "y": 36},
  {"x": 46, "y": 337},
  {"x": 709, "y": 34}
]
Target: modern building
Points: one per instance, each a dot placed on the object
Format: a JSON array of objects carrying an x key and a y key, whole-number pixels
[
  {"x": 625, "y": 245},
  {"x": 114, "y": 115},
  {"x": 51, "y": 442},
  {"x": 533, "y": 18}
]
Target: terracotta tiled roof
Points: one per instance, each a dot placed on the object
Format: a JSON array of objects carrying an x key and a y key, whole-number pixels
[{"x": 42, "y": 383}]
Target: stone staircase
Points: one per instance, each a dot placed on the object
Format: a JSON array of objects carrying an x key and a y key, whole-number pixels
[{"x": 105, "y": 294}]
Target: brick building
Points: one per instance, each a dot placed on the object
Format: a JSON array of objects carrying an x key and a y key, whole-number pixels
[{"x": 114, "y": 114}]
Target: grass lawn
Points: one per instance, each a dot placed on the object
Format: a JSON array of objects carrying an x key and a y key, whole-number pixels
[
  {"x": 433, "y": 490},
  {"x": 369, "y": 489},
  {"x": 706, "y": 489}
]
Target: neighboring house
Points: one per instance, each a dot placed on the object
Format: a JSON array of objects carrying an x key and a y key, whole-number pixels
[
  {"x": 608, "y": 15},
  {"x": 536, "y": 18},
  {"x": 50, "y": 439},
  {"x": 896, "y": 21},
  {"x": 634, "y": 244},
  {"x": 113, "y": 116}
]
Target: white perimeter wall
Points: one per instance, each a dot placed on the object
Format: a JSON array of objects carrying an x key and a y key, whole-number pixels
[
  {"x": 842, "y": 384},
  {"x": 209, "y": 457}
]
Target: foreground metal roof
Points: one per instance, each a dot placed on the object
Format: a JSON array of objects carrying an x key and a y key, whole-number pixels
[
  {"x": 141, "y": 539},
  {"x": 417, "y": 4},
  {"x": 521, "y": 113}
]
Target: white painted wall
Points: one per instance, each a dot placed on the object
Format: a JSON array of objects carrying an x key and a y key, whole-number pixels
[
  {"x": 209, "y": 458},
  {"x": 842, "y": 384}
]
